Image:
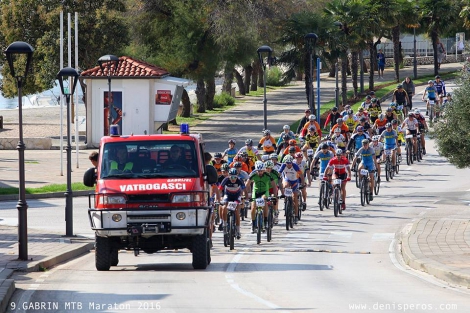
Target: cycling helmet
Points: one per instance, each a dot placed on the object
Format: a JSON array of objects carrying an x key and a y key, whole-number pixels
[
  {"x": 284, "y": 137},
  {"x": 368, "y": 97},
  {"x": 307, "y": 111},
  {"x": 288, "y": 159},
  {"x": 259, "y": 166},
  {"x": 449, "y": 94},
  {"x": 339, "y": 152},
  {"x": 394, "y": 122},
  {"x": 292, "y": 142},
  {"x": 232, "y": 141},
  {"x": 249, "y": 142},
  {"x": 225, "y": 167},
  {"x": 337, "y": 130},
  {"x": 350, "y": 112},
  {"x": 389, "y": 110},
  {"x": 347, "y": 107},
  {"x": 266, "y": 132},
  {"x": 360, "y": 129},
  {"x": 374, "y": 100},
  {"x": 399, "y": 86},
  {"x": 311, "y": 117},
  {"x": 365, "y": 141},
  {"x": 417, "y": 111},
  {"x": 273, "y": 156},
  {"x": 375, "y": 138},
  {"x": 430, "y": 82},
  {"x": 291, "y": 149},
  {"x": 361, "y": 109},
  {"x": 340, "y": 120},
  {"x": 269, "y": 164},
  {"x": 334, "y": 109},
  {"x": 372, "y": 93},
  {"x": 312, "y": 128},
  {"x": 237, "y": 164},
  {"x": 299, "y": 155},
  {"x": 388, "y": 125},
  {"x": 393, "y": 104},
  {"x": 324, "y": 146},
  {"x": 382, "y": 116},
  {"x": 217, "y": 155},
  {"x": 286, "y": 127},
  {"x": 363, "y": 119},
  {"x": 233, "y": 172},
  {"x": 437, "y": 76},
  {"x": 411, "y": 114}
]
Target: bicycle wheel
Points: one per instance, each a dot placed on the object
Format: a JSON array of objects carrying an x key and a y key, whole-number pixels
[
  {"x": 217, "y": 216},
  {"x": 377, "y": 185},
  {"x": 409, "y": 153},
  {"x": 259, "y": 224},
  {"x": 291, "y": 213},
  {"x": 321, "y": 196},
  {"x": 367, "y": 190},
  {"x": 327, "y": 197},
  {"x": 301, "y": 203},
  {"x": 357, "y": 177},
  {"x": 269, "y": 230},
  {"x": 387, "y": 170},
  {"x": 363, "y": 191},
  {"x": 286, "y": 212},
  {"x": 226, "y": 239},
  {"x": 336, "y": 204},
  {"x": 231, "y": 233}
]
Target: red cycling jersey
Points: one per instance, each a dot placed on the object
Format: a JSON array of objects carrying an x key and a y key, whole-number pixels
[{"x": 339, "y": 165}]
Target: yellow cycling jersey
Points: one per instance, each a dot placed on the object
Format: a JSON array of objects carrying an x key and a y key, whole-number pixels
[
  {"x": 374, "y": 111},
  {"x": 351, "y": 122}
]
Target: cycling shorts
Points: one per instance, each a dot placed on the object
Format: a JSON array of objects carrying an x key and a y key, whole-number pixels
[
  {"x": 294, "y": 184},
  {"x": 413, "y": 132},
  {"x": 259, "y": 195},
  {"x": 369, "y": 165},
  {"x": 390, "y": 147},
  {"x": 232, "y": 198},
  {"x": 342, "y": 176}
]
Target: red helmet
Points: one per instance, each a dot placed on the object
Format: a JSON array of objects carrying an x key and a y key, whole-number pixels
[
  {"x": 299, "y": 155},
  {"x": 292, "y": 142}
]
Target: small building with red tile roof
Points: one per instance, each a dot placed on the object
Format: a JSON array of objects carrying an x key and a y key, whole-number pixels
[{"x": 143, "y": 97}]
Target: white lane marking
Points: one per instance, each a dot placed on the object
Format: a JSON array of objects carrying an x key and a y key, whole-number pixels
[
  {"x": 231, "y": 281},
  {"x": 340, "y": 234},
  {"x": 422, "y": 213},
  {"x": 33, "y": 286},
  {"x": 468, "y": 190},
  {"x": 39, "y": 280},
  {"x": 383, "y": 236},
  {"x": 298, "y": 235},
  {"x": 426, "y": 277}
]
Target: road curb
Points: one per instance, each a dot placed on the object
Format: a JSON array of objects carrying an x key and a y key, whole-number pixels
[
  {"x": 424, "y": 264},
  {"x": 46, "y": 195}
]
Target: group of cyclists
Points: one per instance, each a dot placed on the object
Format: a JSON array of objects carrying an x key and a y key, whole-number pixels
[{"x": 355, "y": 141}]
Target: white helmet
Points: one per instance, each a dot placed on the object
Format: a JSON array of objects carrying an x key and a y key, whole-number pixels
[
  {"x": 286, "y": 127},
  {"x": 259, "y": 166},
  {"x": 288, "y": 159},
  {"x": 311, "y": 117}
]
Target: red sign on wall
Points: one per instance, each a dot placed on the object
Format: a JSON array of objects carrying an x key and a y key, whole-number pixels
[{"x": 163, "y": 97}]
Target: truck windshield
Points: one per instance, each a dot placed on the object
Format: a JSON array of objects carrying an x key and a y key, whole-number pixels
[{"x": 149, "y": 159}]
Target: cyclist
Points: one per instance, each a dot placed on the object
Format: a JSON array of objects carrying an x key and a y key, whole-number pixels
[
  {"x": 292, "y": 144},
  {"x": 365, "y": 125},
  {"x": 245, "y": 159},
  {"x": 302, "y": 164},
  {"x": 422, "y": 127},
  {"x": 241, "y": 173},
  {"x": 333, "y": 117},
  {"x": 431, "y": 93},
  {"x": 390, "y": 137},
  {"x": 274, "y": 159},
  {"x": 400, "y": 139},
  {"x": 390, "y": 115},
  {"x": 374, "y": 110},
  {"x": 411, "y": 129},
  {"x": 283, "y": 143},
  {"x": 357, "y": 138},
  {"x": 351, "y": 121},
  {"x": 398, "y": 111},
  {"x": 378, "y": 149},
  {"x": 243, "y": 165},
  {"x": 303, "y": 121},
  {"x": 367, "y": 102},
  {"x": 342, "y": 127},
  {"x": 440, "y": 86},
  {"x": 339, "y": 165},
  {"x": 261, "y": 182},
  {"x": 312, "y": 122},
  {"x": 311, "y": 140},
  {"x": 379, "y": 125},
  {"x": 400, "y": 97},
  {"x": 368, "y": 161},
  {"x": 290, "y": 178},
  {"x": 409, "y": 87},
  {"x": 218, "y": 161},
  {"x": 232, "y": 186},
  {"x": 252, "y": 152},
  {"x": 231, "y": 151},
  {"x": 339, "y": 139},
  {"x": 324, "y": 155},
  {"x": 345, "y": 110},
  {"x": 275, "y": 186},
  {"x": 361, "y": 112},
  {"x": 267, "y": 142},
  {"x": 218, "y": 194}
]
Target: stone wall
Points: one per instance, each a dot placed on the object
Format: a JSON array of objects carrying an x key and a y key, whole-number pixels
[
  {"x": 30, "y": 143},
  {"x": 408, "y": 61}
]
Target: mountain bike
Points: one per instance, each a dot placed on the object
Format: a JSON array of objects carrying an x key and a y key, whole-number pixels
[
  {"x": 270, "y": 223},
  {"x": 337, "y": 197},
  {"x": 301, "y": 202},
  {"x": 324, "y": 197},
  {"x": 356, "y": 174},
  {"x": 259, "y": 218},
  {"x": 432, "y": 110},
  {"x": 364, "y": 187},
  {"x": 377, "y": 183},
  {"x": 289, "y": 208},
  {"x": 419, "y": 152},
  {"x": 389, "y": 171},
  {"x": 230, "y": 227},
  {"x": 409, "y": 149},
  {"x": 314, "y": 171},
  {"x": 216, "y": 206}
]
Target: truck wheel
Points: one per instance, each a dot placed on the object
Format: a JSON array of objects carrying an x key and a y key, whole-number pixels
[
  {"x": 102, "y": 253},
  {"x": 114, "y": 257},
  {"x": 209, "y": 252},
  {"x": 200, "y": 253}
]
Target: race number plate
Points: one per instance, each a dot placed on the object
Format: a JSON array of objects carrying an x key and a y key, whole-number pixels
[
  {"x": 259, "y": 202},
  {"x": 288, "y": 192},
  {"x": 309, "y": 151},
  {"x": 400, "y": 107},
  {"x": 320, "y": 177},
  {"x": 431, "y": 101},
  {"x": 232, "y": 206},
  {"x": 388, "y": 152},
  {"x": 364, "y": 172},
  {"x": 408, "y": 136},
  {"x": 336, "y": 181}
]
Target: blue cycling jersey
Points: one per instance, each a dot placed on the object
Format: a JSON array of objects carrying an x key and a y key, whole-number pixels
[
  {"x": 440, "y": 87},
  {"x": 431, "y": 92},
  {"x": 389, "y": 138},
  {"x": 367, "y": 156},
  {"x": 357, "y": 139},
  {"x": 324, "y": 159}
]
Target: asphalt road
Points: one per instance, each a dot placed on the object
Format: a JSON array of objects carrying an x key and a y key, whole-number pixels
[{"x": 325, "y": 264}]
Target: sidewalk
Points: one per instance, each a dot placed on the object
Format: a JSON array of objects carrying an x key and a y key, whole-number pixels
[{"x": 449, "y": 233}]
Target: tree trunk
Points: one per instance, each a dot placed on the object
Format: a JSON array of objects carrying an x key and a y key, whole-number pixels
[
  {"x": 434, "y": 37},
  {"x": 261, "y": 77},
  {"x": 210, "y": 93},
  {"x": 373, "y": 62},
  {"x": 201, "y": 96},
  {"x": 241, "y": 85},
  {"x": 254, "y": 75},
  {"x": 396, "y": 50},
  {"x": 332, "y": 71},
  {"x": 344, "y": 75},
  {"x": 186, "y": 112},
  {"x": 248, "y": 71},
  {"x": 354, "y": 69},
  {"x": 228, "y": 79},
  {"x": 308, "y": 80}
]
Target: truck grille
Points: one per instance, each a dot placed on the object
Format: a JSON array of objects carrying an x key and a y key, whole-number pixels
[
  {"x": 149, "y": 198},
  {"x": 149, "y": 217}
]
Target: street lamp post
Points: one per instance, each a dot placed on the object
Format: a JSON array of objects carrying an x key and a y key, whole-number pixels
[
  {"x": 415, "y": 63},
  {"x": 311, "y": 40},
  {"x": 336, "y": 87},
  {"x": 68, "y": 73},
  {"x": 108, "y": 65},
  {"x": 15, "y": 53},
  {"x": 263, "y": 52}
]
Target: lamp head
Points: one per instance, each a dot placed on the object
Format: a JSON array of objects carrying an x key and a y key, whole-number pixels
[
  {"x": 14, "y": 51},
  {"x": 65, "y": 74},
  {"x": 311, "y": 40},
  {"x": 262, "y": 51},
  {"x": 107, "y": 62}
]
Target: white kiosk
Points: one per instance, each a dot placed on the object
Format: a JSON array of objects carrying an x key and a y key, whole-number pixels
[{"x": 143, "y": 98}]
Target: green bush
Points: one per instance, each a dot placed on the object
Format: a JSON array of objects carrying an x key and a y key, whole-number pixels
[
  {"x": 222, "y": 100},
  {"x": 275, "y": 77}
]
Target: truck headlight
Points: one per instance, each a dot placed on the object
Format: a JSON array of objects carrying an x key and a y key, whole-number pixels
[
  {"x": 112, "y": 199},
  {"x": 116, "y": 217},
  {"x": 180, "y": 216},
  {"x": 182, "y": 198}
]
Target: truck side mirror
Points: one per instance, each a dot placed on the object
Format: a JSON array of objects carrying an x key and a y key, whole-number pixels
[
  {"x": 89, "y": 178},
  {"x": 211, "y": 173}
]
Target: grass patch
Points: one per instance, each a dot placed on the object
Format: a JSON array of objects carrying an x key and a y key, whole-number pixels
[
  {"x": 45, "y": 189},
  {"x": 260, "y": 91}
]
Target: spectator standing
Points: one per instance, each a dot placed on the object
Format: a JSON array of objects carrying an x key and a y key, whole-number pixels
[
  {"x": 381, "y": 63},
  {"x": 303, "y": 121},
  {"x": 441, "y": 53}
]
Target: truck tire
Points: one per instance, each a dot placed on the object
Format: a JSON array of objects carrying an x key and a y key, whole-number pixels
[
  {"x": 102, "y": 253},
  {"x": 200, "y": 253},
  {"x": 114, "y": 257}
]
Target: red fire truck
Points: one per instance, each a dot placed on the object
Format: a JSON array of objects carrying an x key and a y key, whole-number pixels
[{"x": 152, "y": 194}]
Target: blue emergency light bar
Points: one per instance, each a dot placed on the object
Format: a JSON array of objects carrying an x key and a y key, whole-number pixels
[
  {"x": 114, "y": 131},
  {"x": 184, "y": 129}
]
